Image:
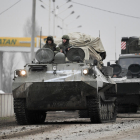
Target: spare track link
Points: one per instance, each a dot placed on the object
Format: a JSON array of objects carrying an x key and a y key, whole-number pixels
[{"x": 101, "y": 111}]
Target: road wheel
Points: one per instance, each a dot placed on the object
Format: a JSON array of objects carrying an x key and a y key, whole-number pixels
[{"x": 101, "y": 111}]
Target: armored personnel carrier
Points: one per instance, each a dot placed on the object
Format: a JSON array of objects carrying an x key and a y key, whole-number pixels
[
  {"x": 127, "y": 75},
  {"x": 75, "y": 81}
]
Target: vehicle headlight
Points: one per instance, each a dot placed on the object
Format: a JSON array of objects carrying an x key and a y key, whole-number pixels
[
  {"x": 54, "y": 68},
  {"x": 85, "y": 71},
  {"x": 23, "y": 72}
]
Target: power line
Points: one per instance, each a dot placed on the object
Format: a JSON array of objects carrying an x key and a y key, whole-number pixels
[
  {"x": 106, "y": 10},
  {"x": 44, "y": 3},
  {"x": 10, "y": 7},
  {"x": 52, "y": 11}
]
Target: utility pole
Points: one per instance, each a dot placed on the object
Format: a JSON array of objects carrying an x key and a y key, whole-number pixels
[
  {"x": 63, "y": 22},
  {"x": 33, "y": 30},
  {"x": 49, "y": 17},
  {"x": 56, "y": 24},
  {"x": 62, "y": 26},
  {"x": 1, "y": 68},
  {"x": 57, "y": 9},
  {"x": 66, "y": 28},
  {"x": 40, "y": 36},
  {"x": 54, "y": 18}
]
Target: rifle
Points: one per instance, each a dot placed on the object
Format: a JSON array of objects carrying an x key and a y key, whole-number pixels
[{"x": 66, "y": 49}]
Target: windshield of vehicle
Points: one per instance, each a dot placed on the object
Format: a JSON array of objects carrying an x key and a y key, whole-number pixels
[
  {"x": 134, "y": 46},
  {"x": 126, "y": 62}
]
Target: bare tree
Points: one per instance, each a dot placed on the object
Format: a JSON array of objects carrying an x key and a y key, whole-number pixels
[
  {"x": 27, "y": 30},
  {"x": 7, "y": 71},
  {"x": 10, "y": 65},
  {"x": 26, "y": 57}
]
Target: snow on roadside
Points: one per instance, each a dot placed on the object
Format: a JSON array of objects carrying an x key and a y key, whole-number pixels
[{"x": 1, "y": 92}]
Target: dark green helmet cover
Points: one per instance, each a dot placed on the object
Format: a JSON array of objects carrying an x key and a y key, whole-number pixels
[{"x": 65, "y": 37}]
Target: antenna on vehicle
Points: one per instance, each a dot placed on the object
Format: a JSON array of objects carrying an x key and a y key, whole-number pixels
[
  {"x": 115, "y": 45},
  {"x": 99, "y": 33},
  {"x": 40, "y": 36}
]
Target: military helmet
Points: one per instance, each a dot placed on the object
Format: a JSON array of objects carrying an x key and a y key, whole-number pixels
[
  {"x": 65, "y": 37},
  {"x": 50, "y": 38}
]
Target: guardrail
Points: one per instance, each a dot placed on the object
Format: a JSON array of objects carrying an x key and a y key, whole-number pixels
[{"x": 6, "y": 105}]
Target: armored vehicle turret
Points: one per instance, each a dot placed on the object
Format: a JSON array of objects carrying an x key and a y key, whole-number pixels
[
  {"x": 127, "y": 75},
  {"x": 56, "y": 82}
]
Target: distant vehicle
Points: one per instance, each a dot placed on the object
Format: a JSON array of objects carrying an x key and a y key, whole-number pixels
[
  {"x": 58, "y": 82},
  {"x": 127, "y": 75}
]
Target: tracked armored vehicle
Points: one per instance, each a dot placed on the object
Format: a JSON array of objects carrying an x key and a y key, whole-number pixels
[
  {"x": 127, "y": 75},
  {"x": 57, "y": 82}
]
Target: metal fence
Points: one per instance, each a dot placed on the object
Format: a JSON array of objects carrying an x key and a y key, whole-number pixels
[{"x": 6, "y": 105}]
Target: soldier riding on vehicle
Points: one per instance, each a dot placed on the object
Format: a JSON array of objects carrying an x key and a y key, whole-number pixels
[
  {"x": 65, "y": 46},
  {"x": 50, "y": 44}
]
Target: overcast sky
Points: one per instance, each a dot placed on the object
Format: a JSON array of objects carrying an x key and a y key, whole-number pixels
[{"x": 13, "y": 20}]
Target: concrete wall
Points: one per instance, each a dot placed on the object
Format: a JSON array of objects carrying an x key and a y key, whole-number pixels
[{"x": 6, "y": 105}]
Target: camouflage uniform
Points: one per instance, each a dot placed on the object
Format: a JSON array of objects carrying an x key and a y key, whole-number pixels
[
  {"x": 64, "y": 46},
  {"x": 51, "y": 46}
]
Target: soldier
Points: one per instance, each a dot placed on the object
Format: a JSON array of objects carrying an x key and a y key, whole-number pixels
[
  {"x": 65, "y": 46},
  {"x": 50, "y": 44}
]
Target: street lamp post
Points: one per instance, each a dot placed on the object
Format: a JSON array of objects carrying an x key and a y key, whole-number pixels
[
  {"x": 63, "y": 21},
  {"x": 59, "y": 27},
  {"x": 33, "y": 29},
  {"x": 74, "y": 28},
  {"x": 1, "y": 68},
  {"x": 64, "y": 3},
  {"x": 65, "y": 9},
  {"x": 54, "y": 12},
  {"x": 49, "y": 17},
  {"x": 60, "y": 13},
  {"x": 71, "y": 22},
  {"x": 67, "y": 28},
  {"x": 79, "y": 26},
  {"x": 49, "y": 20},
  {"x": 54, "y": 18}
]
